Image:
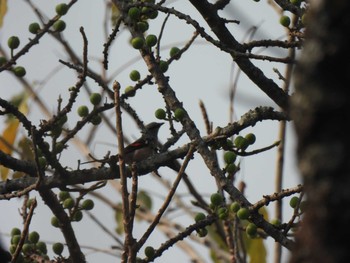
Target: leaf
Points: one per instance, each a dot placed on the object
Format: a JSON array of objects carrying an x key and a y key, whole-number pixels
[
  {"x": 115, "y": 14},
  {"x": 9, "y": 134},
  {"x": 3, "y": 11},
  {"x": 256, "y": 249}
]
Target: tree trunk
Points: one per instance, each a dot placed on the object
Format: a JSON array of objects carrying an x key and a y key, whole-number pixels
[{"x": 322, "y": 118}]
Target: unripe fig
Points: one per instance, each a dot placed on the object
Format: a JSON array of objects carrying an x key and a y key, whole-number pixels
[
  {"x": 87, "y": 204},
  {"x": 199, "y": 217},
  {"x": 78, "y": 215},
  {"x": 241, "y": 142},
  {"x": 15, "y": 231},
  {"x": 19, "y": 71},
  {"x": 163, "y": 65},
  {"x": 55, "y": 222},
  {"x": 34, "y": 28},
  {"x": 294, "y": 202},
  {"x": 57, "y": 248},
  {"x": 202, "y": 232},
  {"x": 216, "y": 199},
  {"x": 250, "y": 138},
  {"x": 231, "y": 168},
  {"x": 13, "y": 42},
  {"x": 61, "y": 9},
  {"x": 96, "y": 120},
  {"x": 83, "y": 111},
  {"x": 142, "y": 26},
  {"x": 68, "y": 203},
  {"x": 230, "y": 157},
  {"x": 134, "y": 13},
  {"x": 137, "y": 42},
  {"x": 285, "y": 21},
  {"x": 63, "y": 195},
  {"x": 27, "y": 248},
  {"x": 33, "y": 237},
  {"x": 95, "y": 98},
  {"x": 130, "y": 91},
  {"x": 41, "y": 246},
  {"x": 160, "y": 114},
  {"x": 179, "y": 114},
  {"x": 2, "y": 61},
  {"x": 59, "y": 25},
  {"x": 243, "y": 213},
  {"x": 135, "y": 75},
  {"x": 174, "y": 51},
  {"x": 149, "y": 251},
  {"x": 234, "y": 207},
  {"x": 151, "y": 40},
  {"x": 251, "y": 229}
]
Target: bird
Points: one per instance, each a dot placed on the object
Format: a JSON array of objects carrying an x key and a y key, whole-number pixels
[{"x": 145, "y": 146}]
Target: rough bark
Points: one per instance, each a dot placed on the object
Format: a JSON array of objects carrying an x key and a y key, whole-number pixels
[{"x": 321, "y": 114}]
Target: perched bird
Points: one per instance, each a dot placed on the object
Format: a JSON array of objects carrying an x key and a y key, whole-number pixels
[{"x": 145, "y": 146}]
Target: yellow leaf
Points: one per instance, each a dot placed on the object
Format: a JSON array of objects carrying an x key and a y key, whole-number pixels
[
  {"x": 257, "y": 251},
  {"x": 8, "y": 136},
  {"x": 3, "y": 10}
]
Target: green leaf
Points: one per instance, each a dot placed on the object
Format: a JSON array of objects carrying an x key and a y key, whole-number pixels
[{"x": 3, "y": 11}]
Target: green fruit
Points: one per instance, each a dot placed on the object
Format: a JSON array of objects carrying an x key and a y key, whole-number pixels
[
  {"x": 57, "y": 248},
  {"x": 30, "y": 202},
  {"x": 55, "y": 222},
  {"x": 179, "y": 114},
  {"x": 130, "y": 91},
  {"x": 63, "y": 195},
  {"x": 152, "y": 14},
  {"x": 285, "y": 21},
  {"x": 19, "y": 71},
  {"x": 231, "y": 168},
  {"x": 27, "y": 248},
  {"x": 275, "y": 222},
  {"x": 134, "y": 13},
  {"x": 33, "y": 237},
  {"x": 12, "y": 249},
  {"x": 41, "y": 246},
  {"x": 241, "y": 142},
  {"x": 243, "y": 213},
  {"x": 199, "y": 217},
  {"x": 160, "y": 114},
  {"x": 151, "y": 40},
  {"x": 234, "y": 207},
  {"x": 59, "y": 147},
  {"x": 222, "y": 213},
  {"x": 137, "y": 42},
  {"x": 96, "y": 120},
  {"x": 15, "y": 231},
  {"x": 250, "y": 137},
  {"x": 42, "y": 162},
  {"x": 2, "y": 61},
  {"x": 78, "y": 215},
  {"x": 95, "y": 98},
  {"x": 62, "y": 120},
  {"x": 202, "y": 232},
  {"x": 304, "y": 19},
  {"x": 149, "y": 251},
  {"x": 230, "y": 157},
  {"x": 135, "y": 75},
  {"x": 216, "y": 199},
  {"x": 15, "y": 239},
  {"x": 295, "y": 2},
  {"x": 34, "y": 28},
  {"x": 174, "y": 51},
  {"x": 13, "y": 42},
  {"x": 68, "y": 203},
  {"x": 294, "y": 201},
  {"x": 163, "y": 66},
  {"x": 59, "y": 26},
  {"x": 251, "y": 230},
  {"x": 88, "y": 204},
  {"x": 83, "y": 111},
  {"x": 142, "y": 26},
  {"x": 61, "y": 9}
]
